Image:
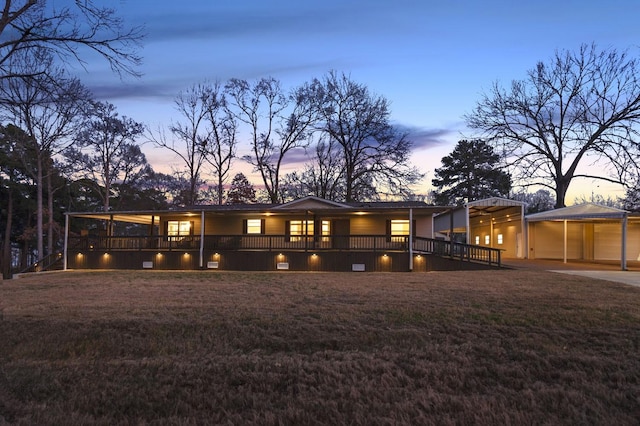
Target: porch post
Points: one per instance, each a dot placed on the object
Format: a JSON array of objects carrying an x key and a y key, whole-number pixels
[
  {"x": 201, "y": 239},
  {"x": 467, "y": 223},
  {"x": 525, "y": 225},
  {"x": 565, "y": 241},
  {"x": 410, "y": 240},
  {"x": 623, "y": 259},
  {"x": 66, "y": 241}
]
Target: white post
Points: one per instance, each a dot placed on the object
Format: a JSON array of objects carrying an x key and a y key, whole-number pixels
[
  {"x": 66, "y": 240},
  {"x": 565, "y": 241},
  {"x": 201, "y": 239},
  {"x": 467, "y": 224},
  {"x": 623, "y": 260},
  {"x": 410, "y": 240}
]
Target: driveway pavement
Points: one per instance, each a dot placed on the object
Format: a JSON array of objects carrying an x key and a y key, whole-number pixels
[
  {"x": 601, "y": 271},
  {"x": 625, "y": 277}
]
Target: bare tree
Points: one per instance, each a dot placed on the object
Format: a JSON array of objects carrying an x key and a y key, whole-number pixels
[
  {"x": 573, "y": 117},
  {"x": 375, "y": 154},
  {"x": 220, "y": 146},
  {"x": 106, "y": 151},
  {"x": 190, "y": 135},
  {"x": 321, "y": 177},
  {"x": 48, "y": 107},
  {"x": 278, "y": 123},
  {"x": 63, "y": 32}
]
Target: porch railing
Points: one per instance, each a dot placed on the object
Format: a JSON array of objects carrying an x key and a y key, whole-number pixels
[
  {"x": 464, "y": 252},
  {"x": 461, "y": 251},
  {"x": 243, "y": 242}
]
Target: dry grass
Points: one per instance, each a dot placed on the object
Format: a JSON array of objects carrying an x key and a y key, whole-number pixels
[{"x": 489, "y": 347}]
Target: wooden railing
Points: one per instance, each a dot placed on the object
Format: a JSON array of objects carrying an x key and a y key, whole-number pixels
[
  {"x": 465, "y": 252},
  {"x": 243, "y": 242},
  {"x": 47, "y": 263}
]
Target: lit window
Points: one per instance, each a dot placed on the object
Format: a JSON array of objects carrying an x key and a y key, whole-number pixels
[
  {"x": 399, "y": 227},
  {"x": 299, "y": 228},
  {"x": 486, "y": 240},
  {"x": 254, "y": 226},
  {"x": 178, "y": 228},
  {"x": 499, "y": 238},
  {"x": 477, "y": 240}
]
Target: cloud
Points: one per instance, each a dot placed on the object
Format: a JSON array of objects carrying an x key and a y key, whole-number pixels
[
  {"x": 222, "y": 21},
  {"x": 427, "y": 138}
]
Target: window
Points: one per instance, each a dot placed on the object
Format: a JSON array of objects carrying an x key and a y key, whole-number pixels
[
  {"x": 477, "y": 240},
  {"x": 399, "y": 227},
  {"x": 486, "y": 240},
  {"x": 178, "y": 228},
  {"x": 499, "y": 238},
  {"x": 254, "y": 226},
  {"x": 298, "y": 228}
]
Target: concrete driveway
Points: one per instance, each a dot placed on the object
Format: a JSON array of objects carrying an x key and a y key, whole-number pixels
[
  {"x": 625, "y": 277},
  {"x": 601, "y": 271}
]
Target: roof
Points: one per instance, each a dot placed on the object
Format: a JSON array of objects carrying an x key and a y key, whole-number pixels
[
  {"x": 305, "y": 204},
  {"x": 580, "y": 211}
]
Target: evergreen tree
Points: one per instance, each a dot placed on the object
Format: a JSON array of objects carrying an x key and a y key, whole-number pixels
[
  {"x": 241, "y": 191},
  {"x": 470, "y": 173}
]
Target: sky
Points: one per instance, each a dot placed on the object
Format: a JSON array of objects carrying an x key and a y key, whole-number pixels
[{"x": 431, "y": 59}]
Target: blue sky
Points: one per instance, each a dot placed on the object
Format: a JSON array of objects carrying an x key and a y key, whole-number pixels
[{"x": 431, "y": 59}]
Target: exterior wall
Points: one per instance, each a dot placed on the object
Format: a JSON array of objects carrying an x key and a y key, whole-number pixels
[
  {"x": 243, "y": 260},
  {"x": 508, "y": 224},
  {"x": 607, "y": 241},
  {"x": 511, "y": 238},
  {"x": 547, "y": 240}
]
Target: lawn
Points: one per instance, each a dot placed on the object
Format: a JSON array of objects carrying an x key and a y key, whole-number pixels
[{"x": 468, "y": 347}]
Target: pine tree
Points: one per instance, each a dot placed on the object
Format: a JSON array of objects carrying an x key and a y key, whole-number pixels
[
  {"x": 241, "y": 191},
  {"x": 470, "y": 173}
]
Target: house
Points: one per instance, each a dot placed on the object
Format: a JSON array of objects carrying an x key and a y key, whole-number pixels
[{"x": 309, "y": 234}]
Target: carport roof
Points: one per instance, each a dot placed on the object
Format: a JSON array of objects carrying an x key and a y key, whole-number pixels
[{"x": 578, "y": 212}]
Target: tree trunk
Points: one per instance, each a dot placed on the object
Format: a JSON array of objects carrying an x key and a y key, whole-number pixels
[
  {"x": 6, "y": 246},
  {"x": 39, "y": 212},
  {"x": 561, "y": 192},
  {"x": 50, "y": 214}
]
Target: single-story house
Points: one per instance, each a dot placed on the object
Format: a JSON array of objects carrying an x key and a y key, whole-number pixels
[
  {"x": 310, "y": 234},
  {"x": 313, "y": 234}
]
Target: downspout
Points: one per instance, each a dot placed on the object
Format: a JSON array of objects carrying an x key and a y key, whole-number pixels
[
  {"x": 410, "y": 240},
  {"x": 66, "y": 240},
  {"x": 201, "y": 264},
  {"x": 623, "y": 260}
]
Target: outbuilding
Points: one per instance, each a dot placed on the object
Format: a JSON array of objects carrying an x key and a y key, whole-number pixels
[{"x": 587, "y": 232}]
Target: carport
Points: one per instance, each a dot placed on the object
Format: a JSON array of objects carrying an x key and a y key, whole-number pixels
[
  {"x": 492, "y": 222},
  {"x": 588, "y": 232}
]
